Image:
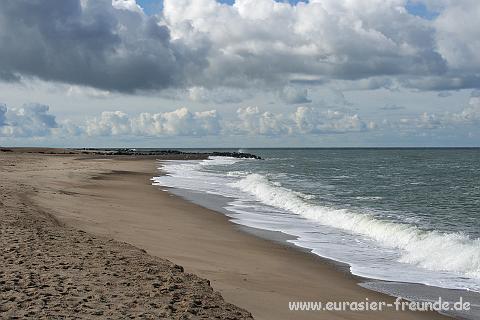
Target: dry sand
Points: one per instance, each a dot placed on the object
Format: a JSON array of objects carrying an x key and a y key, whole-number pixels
[
  {"x": 114, "y": 199},
  {"x": 50, "y": 271}
]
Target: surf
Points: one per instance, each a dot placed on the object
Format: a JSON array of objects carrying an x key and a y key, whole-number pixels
[{"x": 432, "y": 250}]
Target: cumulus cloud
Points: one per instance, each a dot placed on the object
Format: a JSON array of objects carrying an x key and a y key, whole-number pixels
[
  {"x": 180, "y": 122},
  {"x": 311, "y": 121},
  {"x": 34, "y": 120},
  {"x": 248, "y": 121},
  {"x": 274, "y": 42},
  {"x": 253, "y": 121},
  {"x": 31, "y": 120},
  {"x": 459, "y": 42},
  {"x": 115, "y": 46},
  {"x": 468, "y": 116},
  {"x": 92, "y": 43},
  {"x": 130, "y": 5},
  {"x": 109, "y": 123},
  {"x": 294, "y": 95},
  {"x": 304, "y": 120}
]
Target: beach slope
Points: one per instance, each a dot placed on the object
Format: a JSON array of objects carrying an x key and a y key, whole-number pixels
[{"x": 52, "y": 271}]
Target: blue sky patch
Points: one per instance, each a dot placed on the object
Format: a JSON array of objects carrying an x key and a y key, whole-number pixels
[{"x": 420, "y": 10}]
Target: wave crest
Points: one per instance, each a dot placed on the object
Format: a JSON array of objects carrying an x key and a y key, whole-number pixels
[{"x": 428, "y": 249}]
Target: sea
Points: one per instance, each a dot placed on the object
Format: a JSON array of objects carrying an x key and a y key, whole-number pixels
[{"x": 407, "y": 221}]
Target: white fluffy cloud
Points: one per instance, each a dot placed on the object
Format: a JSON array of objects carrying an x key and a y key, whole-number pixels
[
  {"x": 31, "y": 120},
  {"x": 274, "y": 42},
  {"x": 293, "y": 95},
  {"x": 180, "y": 122},
  {"x": 309, "y": 120},
  {"x": 130, "y": 5},
  {"x": 304, "y": 120},
  {"x": 248, "y": 121},
  {"x": 457, "y": 34},
  {"x": 253, "y": 121},
  {"x": 468, "y": 116}
]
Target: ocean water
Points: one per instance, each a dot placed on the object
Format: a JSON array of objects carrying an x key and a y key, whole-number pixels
[{"x": 404, "y": 215}]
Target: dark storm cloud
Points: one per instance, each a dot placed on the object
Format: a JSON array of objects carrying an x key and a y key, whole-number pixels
[{"x": 94, "y": 45}]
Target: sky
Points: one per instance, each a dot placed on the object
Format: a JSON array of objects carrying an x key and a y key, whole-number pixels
[{"x": 239, "y": 73}]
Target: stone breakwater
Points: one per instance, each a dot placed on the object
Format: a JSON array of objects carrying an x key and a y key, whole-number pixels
[{"x": 189, "y": 155}]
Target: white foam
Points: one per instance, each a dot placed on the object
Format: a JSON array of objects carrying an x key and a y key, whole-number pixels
[{"x": 428, "y": 249}]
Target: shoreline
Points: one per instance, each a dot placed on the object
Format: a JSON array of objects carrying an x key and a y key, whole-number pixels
[
  {"x": 113, "y": 198},
  {"x": 410, "y": 291}
]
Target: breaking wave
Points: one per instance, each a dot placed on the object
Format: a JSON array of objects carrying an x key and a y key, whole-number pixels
[{"x": 453, "y": 252}]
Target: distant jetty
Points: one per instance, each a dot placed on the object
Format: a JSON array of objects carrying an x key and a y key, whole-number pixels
[{"x": 136, "y": 152}]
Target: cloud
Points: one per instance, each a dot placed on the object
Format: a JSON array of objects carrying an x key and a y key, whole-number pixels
[
  {"x": 180, "y": 122},
  {"x": 252, "y": 44},
  {"x": 444, "y": 94},
  {"x": 250, "y": 121},
  {"x": 31, "y": 120},
  {"x": 292, "y": 95},
  {"x": 130, "y": 5},
  {"x": 475, "y": 93},
  {"x": 81, "y": 91},
  {"x": 3, "y": 112},
  {"x": 468, "y": 116},
  {"x": 456, "y": 39},
  {"x": 459, "y": 42},
  {"x": 310, "y": 121},
  {"x": 217, "y": 95},
  {"x": 392, "y": 107},
  {"x": 92, "y": 43},
  {"x": 304, "y": 120},
  {"x": 273, "y": 43},
  {"x": 109, "y": 123},
  {"x": 254, "y": 122},
  {"x": 34, "y": 120}
]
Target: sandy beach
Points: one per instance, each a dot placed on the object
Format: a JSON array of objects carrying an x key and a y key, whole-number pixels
[{"x": 90, "y": 236}]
